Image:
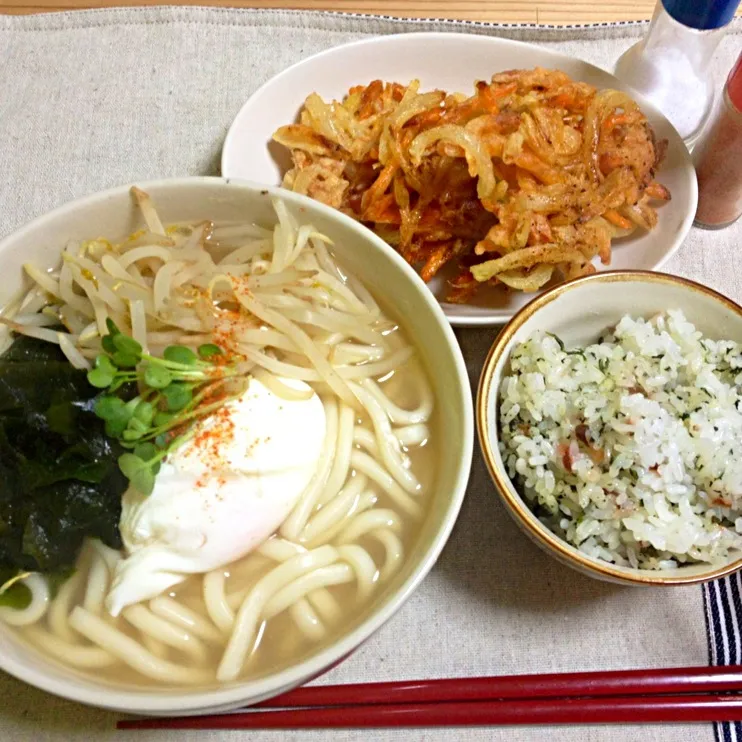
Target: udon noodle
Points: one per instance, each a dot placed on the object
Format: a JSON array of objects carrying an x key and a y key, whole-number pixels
[{"x": 280, "y": 302}]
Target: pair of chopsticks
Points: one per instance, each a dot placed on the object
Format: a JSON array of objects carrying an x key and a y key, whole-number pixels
[{"x": 691, "y": 694}]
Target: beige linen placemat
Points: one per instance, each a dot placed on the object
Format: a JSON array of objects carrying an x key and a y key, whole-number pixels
[{"x": 94, "y": 99}]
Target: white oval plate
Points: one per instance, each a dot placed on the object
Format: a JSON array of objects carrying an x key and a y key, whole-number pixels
[{"x": 451, "y": 62}]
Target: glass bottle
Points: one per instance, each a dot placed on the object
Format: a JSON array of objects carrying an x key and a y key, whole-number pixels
[
  {"x": 671, "y": 65},
  {"x": 719, "y": 160}
]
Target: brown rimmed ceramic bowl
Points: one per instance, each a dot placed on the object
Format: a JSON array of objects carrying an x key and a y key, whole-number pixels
[{"x": 578, "y": 312}]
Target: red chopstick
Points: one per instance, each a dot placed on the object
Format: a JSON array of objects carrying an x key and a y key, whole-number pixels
[
  {"x": 556, "y": 685},
  {"x": 625, "y": 696},
  {"x": 605, "y": 710}
]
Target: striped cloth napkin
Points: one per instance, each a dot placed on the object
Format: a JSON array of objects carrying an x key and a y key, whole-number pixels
[{"x": 723, "y": 605}]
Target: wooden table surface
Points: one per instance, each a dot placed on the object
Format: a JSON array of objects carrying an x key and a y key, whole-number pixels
[{"x": 504, "y": 11}]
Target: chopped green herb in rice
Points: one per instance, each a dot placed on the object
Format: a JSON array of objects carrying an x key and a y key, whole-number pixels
[{"x": 631, "y": 449}]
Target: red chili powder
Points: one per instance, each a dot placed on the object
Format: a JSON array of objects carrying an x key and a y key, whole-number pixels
[{"x": 211, "y": 440}]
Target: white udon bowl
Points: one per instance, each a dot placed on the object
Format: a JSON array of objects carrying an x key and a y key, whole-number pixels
[{"x": 112, "y": 214}]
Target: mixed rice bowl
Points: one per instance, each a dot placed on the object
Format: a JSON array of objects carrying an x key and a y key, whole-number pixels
[{"x": 630, "y": 449}]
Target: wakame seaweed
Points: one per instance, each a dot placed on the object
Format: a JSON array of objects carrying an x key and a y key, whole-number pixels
[{"x": 59, "y": 477}]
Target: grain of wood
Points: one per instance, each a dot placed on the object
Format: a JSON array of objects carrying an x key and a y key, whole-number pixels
[{"x": 502, "y": 11}]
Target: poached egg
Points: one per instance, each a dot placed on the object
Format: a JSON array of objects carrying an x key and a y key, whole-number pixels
[{"x": 222, "y": 493}]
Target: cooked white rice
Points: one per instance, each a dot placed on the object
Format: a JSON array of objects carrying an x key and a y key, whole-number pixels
[{"x": 630, "y": 449}]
